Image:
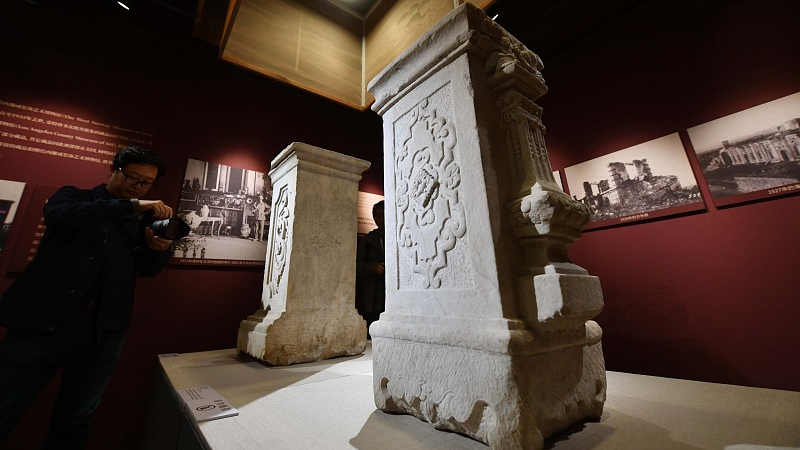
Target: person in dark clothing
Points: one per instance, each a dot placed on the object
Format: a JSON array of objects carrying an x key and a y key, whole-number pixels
[
  {"x": 71, "y": 307},
  {"x": 371, "y": 270}
]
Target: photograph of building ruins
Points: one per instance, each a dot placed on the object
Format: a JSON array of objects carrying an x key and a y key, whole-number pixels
[
  {"x": 753, "y": 150},
  {"x": 630, "y": 184}
]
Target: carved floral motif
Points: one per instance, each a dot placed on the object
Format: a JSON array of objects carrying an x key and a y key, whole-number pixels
[
  {"x": 279, "y": 241},
  {"x": 549, "y": 211},
  {"x": 507, "y": 49},
  {"x": 430, "y": 213}
]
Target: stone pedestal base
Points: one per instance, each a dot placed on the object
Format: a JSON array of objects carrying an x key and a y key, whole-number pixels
[
  {"x": 508, "y": 401},
  {"x": 329, "y": 337}
]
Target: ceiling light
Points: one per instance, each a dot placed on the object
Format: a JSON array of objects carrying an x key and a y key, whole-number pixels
[
  {"x": 493, "y": 18},
  {"x": 123, "y": 5}
]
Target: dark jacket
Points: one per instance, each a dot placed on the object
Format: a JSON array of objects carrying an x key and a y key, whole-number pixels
[
  {"x": 88, "y": 258},
  {"x": 371, "y": 286}
]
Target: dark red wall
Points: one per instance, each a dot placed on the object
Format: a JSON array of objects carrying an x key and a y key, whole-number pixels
[
  {"x": 710, "y": 296},
  {"x": 713, "y": 296},
  {"x": 197, "y": 107}
]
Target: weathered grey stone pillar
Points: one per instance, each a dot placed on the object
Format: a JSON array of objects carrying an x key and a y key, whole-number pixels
[
  {"x": 308, "y": 297},
  {"x": 487, "y": 327}
]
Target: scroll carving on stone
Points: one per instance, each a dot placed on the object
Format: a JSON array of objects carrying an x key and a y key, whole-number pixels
[
  {"x": 280, "y": 239},
  {"x": 308, "y": 310},
  {"x": 430, "y": 213},
  {"x": 507, "y": 50}
]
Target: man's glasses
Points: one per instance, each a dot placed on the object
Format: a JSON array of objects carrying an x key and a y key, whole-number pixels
[{"x": 136, "y": 180}]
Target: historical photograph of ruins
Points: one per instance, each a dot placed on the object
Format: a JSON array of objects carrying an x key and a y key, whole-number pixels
[
  {"x": 645, "y": 181},
  {"x": 751, "y": 154}
]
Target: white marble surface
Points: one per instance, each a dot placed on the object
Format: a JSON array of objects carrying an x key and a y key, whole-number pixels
[
  {"x": 487, "y": 329},
  {"x": 308, "y": 300},
  {"x": 328, "y": 405}
]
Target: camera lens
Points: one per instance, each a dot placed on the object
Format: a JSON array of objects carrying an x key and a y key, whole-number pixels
[{"x": 172, "y": 228}]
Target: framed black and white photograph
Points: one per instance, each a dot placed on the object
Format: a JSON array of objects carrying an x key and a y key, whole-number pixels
[
  {"x": 751, "y": 154},
  {"x": 10, "y": 194},
  {"x": 227, "y": 209},
  {"x": 649, "y": 180}
]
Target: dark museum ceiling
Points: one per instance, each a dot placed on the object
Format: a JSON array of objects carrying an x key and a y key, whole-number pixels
[{"x": 545, "y": 26}]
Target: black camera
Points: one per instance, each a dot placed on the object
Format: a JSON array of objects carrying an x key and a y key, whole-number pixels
[{"x": 172, "y": 228}]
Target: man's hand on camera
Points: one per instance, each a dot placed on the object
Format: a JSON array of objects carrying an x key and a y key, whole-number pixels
[
  {"x": 160, "y": 210},
  {"x": 155, "y": 242}
]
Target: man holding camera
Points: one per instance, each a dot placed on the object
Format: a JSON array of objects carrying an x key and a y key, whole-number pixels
[{"x": 71, "y": 307}]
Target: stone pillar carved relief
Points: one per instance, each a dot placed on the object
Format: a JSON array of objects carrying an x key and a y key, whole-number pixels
[
  {"x": 487, "y": 329},
  {"x": 430, "y": 213},
  {"x": 308, "y": 300},
  {"x": 522, "y": 120},
  {"x": 278, "y": 242}
]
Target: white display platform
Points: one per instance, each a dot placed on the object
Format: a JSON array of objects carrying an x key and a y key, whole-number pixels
[{"x": 329, "y": 405}]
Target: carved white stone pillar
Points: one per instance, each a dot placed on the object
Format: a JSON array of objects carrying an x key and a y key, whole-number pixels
[
  {"x": 308, "y": 301},
  {"x": 487, "y": 326}
]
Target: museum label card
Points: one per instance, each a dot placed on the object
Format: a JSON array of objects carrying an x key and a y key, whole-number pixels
[{"x": 206, "y": 404}]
